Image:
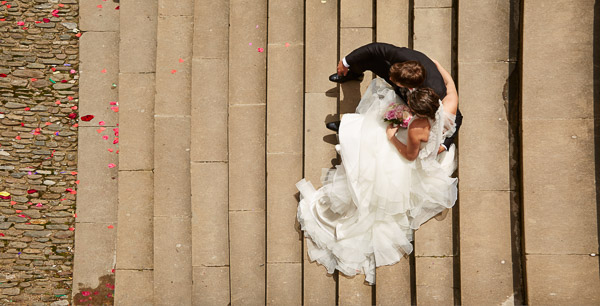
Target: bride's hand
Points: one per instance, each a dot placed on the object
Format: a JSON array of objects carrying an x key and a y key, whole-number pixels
[{"x": 391, "y": 131}]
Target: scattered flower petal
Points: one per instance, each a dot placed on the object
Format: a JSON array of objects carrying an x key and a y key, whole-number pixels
[
  {"x": 87, "y": 117},
  {"x": 105, "y": 137},
  {"x": 110, "y": 226},
  {"x": 181, "y": 60},
  {"x": 261, "y": 50},
  {"x": 173, "y": 71},
  {"x": 111, "y": 165},
  {"x": 101, "y": 123}
]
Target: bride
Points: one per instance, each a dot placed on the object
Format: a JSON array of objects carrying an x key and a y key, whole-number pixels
[{"x": 391, "y": 180}]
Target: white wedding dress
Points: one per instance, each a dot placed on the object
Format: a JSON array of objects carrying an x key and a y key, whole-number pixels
[{"x": 365, "y": 213}]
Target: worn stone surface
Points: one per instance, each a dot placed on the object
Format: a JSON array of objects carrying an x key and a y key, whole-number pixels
[
  {"x": 137, "y": 32},
  {"x": 247, "y": 257},
  {"x": 133, "y": 287},
  {"x": 134, "y": 238},
  {"x": 284, "y": 283},
  {"x": 209, "y": 181},
  {"x": 136, "y": 117},
  {"x": 434, "y": 280},
  {"x": 172, "y": 260},
  {"x": 392, "y": 22},
  {"x": 563, "y": 280},
  {"x": 247, "y": 157},
  {"x": 393, "y": 284},
  {"x": 211, "y": 285}
]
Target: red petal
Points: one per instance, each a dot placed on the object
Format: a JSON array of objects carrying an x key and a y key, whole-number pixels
[{"x": 87, "y": 117}]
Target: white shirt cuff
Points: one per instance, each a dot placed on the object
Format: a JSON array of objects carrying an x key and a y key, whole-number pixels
[
  {"x": 443, "y": 145},
  {"x": 345, "y": 63}
]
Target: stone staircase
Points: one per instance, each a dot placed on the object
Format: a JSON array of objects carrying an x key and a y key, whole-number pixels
[{"x": 222, "y": 107}]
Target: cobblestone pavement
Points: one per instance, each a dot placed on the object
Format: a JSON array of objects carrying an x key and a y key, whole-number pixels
[{"x": 38, "y": 149}]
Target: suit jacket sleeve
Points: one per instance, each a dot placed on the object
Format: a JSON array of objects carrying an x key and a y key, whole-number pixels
[{"x": 369, "y": 57}]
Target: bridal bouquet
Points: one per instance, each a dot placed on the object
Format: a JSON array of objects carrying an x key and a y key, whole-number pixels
[{"x": 398, "y": 114}]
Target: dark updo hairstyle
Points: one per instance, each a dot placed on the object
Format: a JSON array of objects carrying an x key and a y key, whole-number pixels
[
  {"x": 410, "y": 73},
  {"x": 424, "y": 102}
]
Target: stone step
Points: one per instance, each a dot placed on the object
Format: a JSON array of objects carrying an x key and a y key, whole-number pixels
[
  {"x": 486, "y": 260},
  {"x": 559, "y": 190},
  {"x": 172, "y": 191},
  {"x": 285, "y": 97},
  {"x": 356, "y": 29},
  {"x": 209, "y": 154},
  {"x": 434, "y": 256},
  {"x": 96, "y": 222},
  {"x": 321, "y": 55},
  {"x": 393, "y": 23},
  {"x": 247, "y": 150},
  {"x": 135, "y": 245}
]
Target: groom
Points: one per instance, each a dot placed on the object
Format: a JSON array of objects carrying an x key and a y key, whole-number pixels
[{"x": 402, "y": 68}]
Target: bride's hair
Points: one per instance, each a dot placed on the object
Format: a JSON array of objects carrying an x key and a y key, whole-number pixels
[
  {"x": 410, "y": 73},
  {"x": 424, "y": 102}
]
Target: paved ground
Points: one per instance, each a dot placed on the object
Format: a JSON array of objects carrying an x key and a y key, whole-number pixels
[{"x": 222, "y": 107}]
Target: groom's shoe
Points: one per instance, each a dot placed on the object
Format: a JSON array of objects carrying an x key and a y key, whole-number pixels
[
  {"x": 336, "y": 78},
  {"x": 334, "y": 126}
]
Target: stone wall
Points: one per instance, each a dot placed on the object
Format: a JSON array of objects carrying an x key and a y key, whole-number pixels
[{"x": 38, "y": 149}]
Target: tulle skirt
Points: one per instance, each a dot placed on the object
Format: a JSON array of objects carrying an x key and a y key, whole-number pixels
[{"x": 368, "y": 207}]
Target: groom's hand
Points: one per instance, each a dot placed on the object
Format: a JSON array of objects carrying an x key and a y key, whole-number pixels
[
  {"x": 441, "y": 149},
  {"x": 341, "y": 69}
]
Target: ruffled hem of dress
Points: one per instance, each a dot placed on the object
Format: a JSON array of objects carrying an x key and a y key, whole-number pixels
[{"x": 343, "y": 255}]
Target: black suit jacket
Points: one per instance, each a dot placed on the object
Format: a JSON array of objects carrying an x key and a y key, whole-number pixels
[{"x": 379, "y": 57}]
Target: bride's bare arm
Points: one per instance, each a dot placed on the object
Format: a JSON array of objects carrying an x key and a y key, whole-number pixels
[
  {"x": 410, "y": 150},
  {"x": 450, "y": 101}
]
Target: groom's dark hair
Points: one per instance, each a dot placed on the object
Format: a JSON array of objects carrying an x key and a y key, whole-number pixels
[
  {"x": 410, "y": 73},
  {"x": 424, "y": 102}
]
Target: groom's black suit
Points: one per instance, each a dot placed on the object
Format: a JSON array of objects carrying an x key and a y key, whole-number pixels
[{"x": 379, "y": 57}]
